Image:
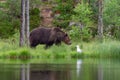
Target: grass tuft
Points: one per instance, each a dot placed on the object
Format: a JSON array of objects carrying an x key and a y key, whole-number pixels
[{"x": 105, "y": 49}]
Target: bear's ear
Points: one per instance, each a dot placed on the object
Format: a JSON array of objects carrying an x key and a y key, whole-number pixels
[{"x": 57, "y": 29}]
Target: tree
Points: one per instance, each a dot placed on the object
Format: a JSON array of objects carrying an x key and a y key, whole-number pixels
[
  {"x": 111, "y": 18},
  {"x": 100, "y": 19},
  {"x": 82, "y": 17},
  {"x": 27, "y": 23},
  {"x": 24, "y": 29}
]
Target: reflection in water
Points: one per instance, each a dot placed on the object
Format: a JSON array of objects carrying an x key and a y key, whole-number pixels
[
  {"x": 100, "y": 73},
  {"x": 28, "y": 72},
  {"x": 78, "y": 66},
  {"x": 50, "y": 72},
  {"x": 25, "y": 72},
  {"x": 86, "y": 69}
]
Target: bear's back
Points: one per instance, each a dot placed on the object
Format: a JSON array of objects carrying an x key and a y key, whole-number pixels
[{"x": 40, "y": 34}]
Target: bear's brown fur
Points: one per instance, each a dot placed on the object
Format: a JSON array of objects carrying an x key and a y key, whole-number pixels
[{"x": 48, "y": 36}]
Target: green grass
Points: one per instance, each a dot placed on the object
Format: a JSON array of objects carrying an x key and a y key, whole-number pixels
[
  {"x": 105, "y": 49},
  {"x": 95, "y": 49}
]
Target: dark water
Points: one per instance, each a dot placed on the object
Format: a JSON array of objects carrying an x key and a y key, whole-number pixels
[{"x": 86, "y": 69}]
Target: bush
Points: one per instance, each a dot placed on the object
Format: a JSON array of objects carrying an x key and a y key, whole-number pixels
[
  {"x": 112, "y": 23},
  {"x": 80, "y": 34},
  {"x": 63, "y": 7},
  {"x": 62, "y": 24},
  {"x": 75, "y": 33},
  {"x": 9, "y": 19},
  {"x": 6, "y": 29},
  {"x": 24, "y": 54},
  {"x": 83, "y": 14},
  {"x": 13, "y": 8},
  {"x": 34, "y": 18}
]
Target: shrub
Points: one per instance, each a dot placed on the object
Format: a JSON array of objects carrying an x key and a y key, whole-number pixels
[
  {"x": 9, "y": 19},
  {"x": 6, "y": 29},
  {"x": 80, "y": 34},
  {"x": 112, "y": 23},
  {"x": 83, "y": 14},
  {"x": 34, "y": 18},
  {"x": 13, "y": 55},
  {"x": 24, "y": 54},
  {"x": 63, "y": 7}
]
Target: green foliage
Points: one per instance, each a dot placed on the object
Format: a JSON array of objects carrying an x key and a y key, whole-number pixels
[
  {"x": 24, "y": 54},
  {"x": 34, "y": 11},
  {"x": 105, "y": 49},
  {"x": 61, "y": 23},
  {"x": 86, "y": 34},
  {"x": 5, "y": 29},
  {"x": 7, "y": 26},
  {"x": 12, "y": 55},
  {"x": 76, "y": 55},
  {"x": 80, "y": 34},
  {"x": 2, "y": 5},
  {"x": 117, "y": 33},
  {"x": 65, "y": 9},
  {"x": 35, "y": 4},
  {"x": 34, "y": 18},
  {"x": 111, "y": 18},
  {"x": 9, "y": 19},
  {"x": 83, "y": 14},
  {"x": 14, "y": 8},
  {"x": 75, "y": 33},
  {"x": 112, "y": 8}
]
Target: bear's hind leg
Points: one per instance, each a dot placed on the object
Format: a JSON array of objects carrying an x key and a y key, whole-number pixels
[{"x": 33, "y": 45}]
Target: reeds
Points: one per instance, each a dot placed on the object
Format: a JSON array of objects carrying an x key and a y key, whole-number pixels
[{"x": 105, "y": 49}]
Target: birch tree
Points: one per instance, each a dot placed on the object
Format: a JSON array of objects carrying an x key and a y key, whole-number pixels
[
  {"x": 24, "y": 29},
  {"x": 100, "y": 19},
  {"x": 27, "y": 22}
]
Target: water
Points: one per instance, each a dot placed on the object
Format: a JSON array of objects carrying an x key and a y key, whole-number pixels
[{"x": 81, "y": 69}]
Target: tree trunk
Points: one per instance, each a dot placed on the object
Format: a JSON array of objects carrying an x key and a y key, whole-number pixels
[
  {"x": 22, "y": 28},
  {"x": 27, "y": 23},
  {"x": 100, "y": 20}
]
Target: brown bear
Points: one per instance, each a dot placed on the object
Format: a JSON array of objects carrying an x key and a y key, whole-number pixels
[{"x": 48, "y": 36}]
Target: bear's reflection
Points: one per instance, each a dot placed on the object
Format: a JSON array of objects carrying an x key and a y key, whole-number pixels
[{"x": 50, "y": 74}]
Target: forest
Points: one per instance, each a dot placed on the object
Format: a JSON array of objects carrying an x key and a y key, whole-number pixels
[{"x": 94, "y": 25}]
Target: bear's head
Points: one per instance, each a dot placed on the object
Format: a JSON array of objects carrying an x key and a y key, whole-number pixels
[
  {"x": 60, "y": 35},
  {"x": 66, "y": 39}
]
